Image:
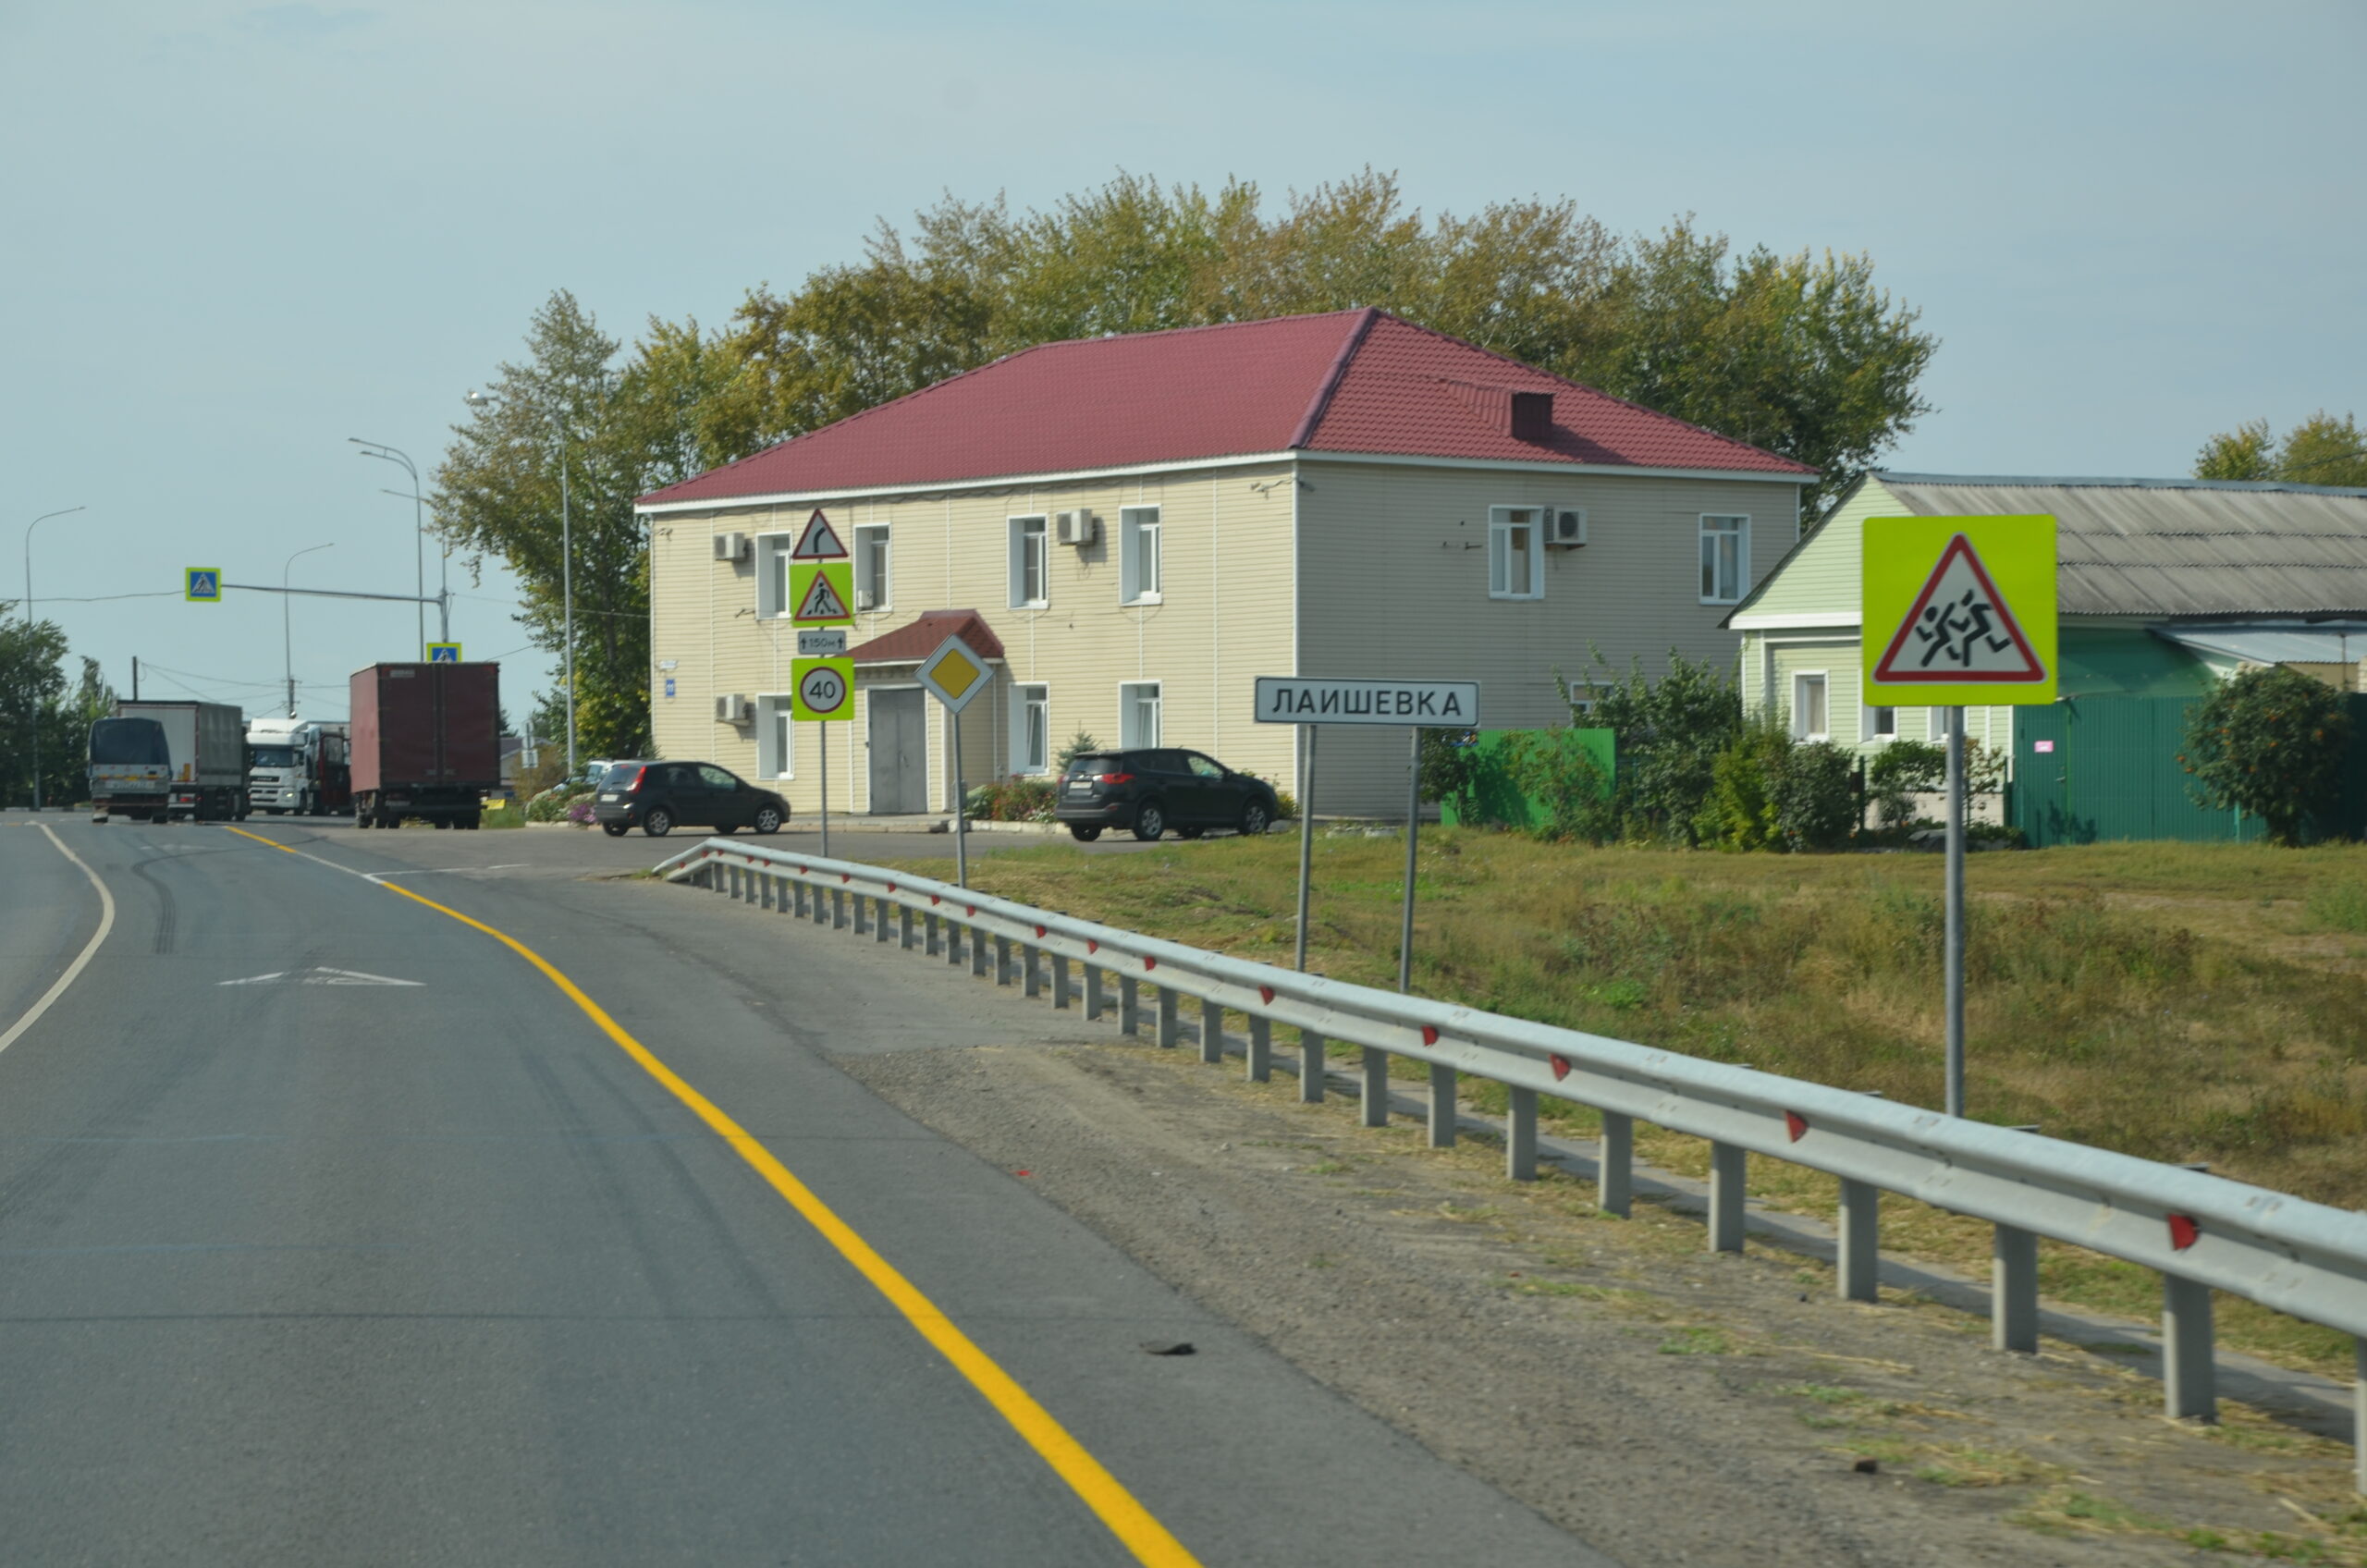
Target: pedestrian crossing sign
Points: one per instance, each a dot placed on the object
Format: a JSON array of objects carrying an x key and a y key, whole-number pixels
[
  {"x": 1958, "y": 611},
  {"x": 444, "y": 653},
  {"x": 201, "y": 584},
  {"x": 820, "y": 593}
]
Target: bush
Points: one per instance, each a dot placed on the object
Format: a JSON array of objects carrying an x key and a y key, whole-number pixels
[
  {"x": 557, "y": 805},
  {"x": 1078, "y": 745},
  {"x": 1554, "y": 770},
  {"x": 2270, "y": 743},
  {"x": 1015, "y": 798},
  {"x": 1450, "y": 769},
  {"x": 1904, "y": 769},
  {"x": 1740, "y": 813},
  {"x": 1816, "y": 797},
  {"x": 1671, "y": 733}
]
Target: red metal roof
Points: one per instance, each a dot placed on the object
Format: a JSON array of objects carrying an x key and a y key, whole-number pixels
[
  {"x": 910, "y": 645},
  {"x": 1351, "y": 381}
]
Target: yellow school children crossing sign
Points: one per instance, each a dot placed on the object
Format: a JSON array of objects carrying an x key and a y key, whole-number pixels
[{"x": 1958, "y": 611}]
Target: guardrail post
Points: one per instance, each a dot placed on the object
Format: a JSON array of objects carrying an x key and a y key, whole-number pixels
[
  {"x": 2358, "y": 1417},
  {"x": 1520, "y": 1134},
  {"x": 1442, "y": 1106},
  {"x": 765, "y": 884},
  {"x": 1375, "y": 1087},
  {"x": 861, "y": 914},
  {"x": 881, "y": 918},
  {"x": 1312, "y": 1067},
  {"x": 1855, "y": 1260},
  {"x": 2189, "y": 1391},
  {"x": 932, "y": 938},
  {"x": 1728, "y": 1165},
  {"x": 2013, "y": 1290},
  {"x": 1169, "y": 1029},
  {"x": 731, "y": 881},
  {"x": 1094, "y": 999},
  {"x": 977, "y": 953},
  {"x": 1059, "y": 982},
  {"x": 797, "y": 891},
  {"x": 838, "y": 909},
  {"x": 1031, "y": 964},
  {"x": 1130, "y": 1010},
  {"x": 1614, "y": 1169},
  {"x": 1260, "y": 1065},
  {"x": 904, "y": 927},
  {"x": 1002, "y": 961},
  {"x": 1211, "y": 1030}
]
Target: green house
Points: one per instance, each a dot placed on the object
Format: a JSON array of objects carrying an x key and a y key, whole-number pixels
[{"x": 2165, "y": 586}]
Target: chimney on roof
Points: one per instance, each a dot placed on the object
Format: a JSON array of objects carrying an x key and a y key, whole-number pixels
[{"x": 1533, "y": 416}]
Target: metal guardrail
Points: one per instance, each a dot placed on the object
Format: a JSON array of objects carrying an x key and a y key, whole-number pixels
[{"x": 2201, "y": 1233}]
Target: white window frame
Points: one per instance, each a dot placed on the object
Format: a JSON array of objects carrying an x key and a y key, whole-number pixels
[
  {"x": 776, "y": 737},
  {"x": 1030, "y": 699},
  {"x": 1130, "y": 694},
  {"x": 1139, "y": 536},
  {"x": 1707, "y": 576},
  {"x": 879, "y": 586},
  {"x": 1036, "y": 527},
  {"x": 1867, "y": 734},
  {"x": 1502, "y": 523},
  {"x": 1800, "y": 678},
  {"x": 772, "y": 574}
]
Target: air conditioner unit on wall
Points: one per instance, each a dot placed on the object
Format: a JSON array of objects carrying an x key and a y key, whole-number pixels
[
  {"x": 735, "y": 710},
  {"x": 1566, "y": 530},
  {"x": 731, "y": 546},
  {"x": 1076, "y": 528}
]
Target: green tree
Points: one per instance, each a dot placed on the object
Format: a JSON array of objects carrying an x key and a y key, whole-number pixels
[
  {"x": 34, "y": 693},
  {"x": 1670, "y": 732},
  {"x": 2322, "y": 449},
  {"x": 2271, "y": 742}
]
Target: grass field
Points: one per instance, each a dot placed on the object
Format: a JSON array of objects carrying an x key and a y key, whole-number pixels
[{"x": 2177, "y": 1002}]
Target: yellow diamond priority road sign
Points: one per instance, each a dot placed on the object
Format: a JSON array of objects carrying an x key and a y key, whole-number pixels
[
  {"x": 956, "y": 673},
  {"x": 1958, "y": 611}
]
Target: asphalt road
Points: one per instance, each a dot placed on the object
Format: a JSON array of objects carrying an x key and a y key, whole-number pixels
[{"x": 332, "y": 1231}]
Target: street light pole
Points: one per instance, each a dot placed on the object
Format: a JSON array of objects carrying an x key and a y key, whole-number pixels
[
  {"x": 443, "y": 575},
  {"x": 476, "y": 399},
  {"x": 33, "y": 693},
  {"x": 287, "y": 635},
  {"x": 418, "y": 526}
]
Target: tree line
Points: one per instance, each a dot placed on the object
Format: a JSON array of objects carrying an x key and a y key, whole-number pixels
[
  {"x": 1802, "y": 354},
  {"x": 44, "y": 712}
]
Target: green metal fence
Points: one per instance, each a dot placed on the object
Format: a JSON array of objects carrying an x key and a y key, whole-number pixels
[{"x": 1497, "y": 797}]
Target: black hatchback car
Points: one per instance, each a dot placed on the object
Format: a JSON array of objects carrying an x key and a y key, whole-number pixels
[
  {"x": 1157, "y": 787},
  {"x": 658, "y": 797}
]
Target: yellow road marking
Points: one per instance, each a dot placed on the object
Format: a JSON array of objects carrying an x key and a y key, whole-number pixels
[{"x": 1127, "y": 1519}]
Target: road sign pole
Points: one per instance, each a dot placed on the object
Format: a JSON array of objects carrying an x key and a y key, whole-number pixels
[
  {"x": 1956, "y": 910},
  {"x": 1306, "y": 833},
  {"x": 1413, "y": 832},
  {"x": 826, "y": 789},
  {"x": 960, "y": 798}
]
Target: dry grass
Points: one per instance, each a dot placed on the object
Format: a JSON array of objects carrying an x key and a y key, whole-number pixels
[{"x": 2178, "y": 1002}]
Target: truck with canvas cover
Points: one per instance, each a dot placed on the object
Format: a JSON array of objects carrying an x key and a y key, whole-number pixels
[
  {"x": 204, "y": 762},
  {"x": 426, "y": 743},
  {"x": 299, "y": 764}
]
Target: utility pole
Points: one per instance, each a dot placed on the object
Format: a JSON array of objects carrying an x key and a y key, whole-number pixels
[{"x": 287, "y": 637}]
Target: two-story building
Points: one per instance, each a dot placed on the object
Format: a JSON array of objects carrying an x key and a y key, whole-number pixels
[{"x": 1133, "y": 529}]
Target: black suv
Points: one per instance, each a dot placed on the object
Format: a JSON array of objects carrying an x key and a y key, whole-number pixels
[
  {"x": 658, "y": 796},
  {"x": 1154, "y": 788}
]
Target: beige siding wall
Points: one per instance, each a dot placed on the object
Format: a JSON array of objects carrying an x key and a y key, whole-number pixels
[
  {"x": 1225, "y": 616},
  {"x": 1393, "y": 572}
]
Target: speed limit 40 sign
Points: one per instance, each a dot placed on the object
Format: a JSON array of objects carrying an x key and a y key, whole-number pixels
[{"x": 824, "y": 690}]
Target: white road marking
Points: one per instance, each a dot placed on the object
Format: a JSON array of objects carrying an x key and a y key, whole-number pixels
[
  {"x": 319, "y": 976},
  {"x": 106, "y": 924},
  {"x": 256, "y": 979}
]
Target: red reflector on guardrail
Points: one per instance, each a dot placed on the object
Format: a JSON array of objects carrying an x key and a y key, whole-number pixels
[
  {"x": 1430, "y": 1035},
  {"x": 2183, "y": 1232},
  {"x": 1091, "y": 946},
  {"x": 1266, "y": 992},
  {"x": 1796, "y": 1124},
  {"x": 1039, "y": 930},
  {"x": 1150, "y": 963},
  {"x": 1560, "y": 1065}
]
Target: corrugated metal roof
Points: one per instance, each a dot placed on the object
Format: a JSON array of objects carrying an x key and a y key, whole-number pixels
[
  {"x": 2342, "y": 642},
  {"x": 2178, "y": 547}
]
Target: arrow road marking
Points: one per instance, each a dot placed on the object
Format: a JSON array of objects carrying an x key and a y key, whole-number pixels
[{"x": 318, "y": 976}]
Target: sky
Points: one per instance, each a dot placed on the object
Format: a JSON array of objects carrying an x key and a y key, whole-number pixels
[{"x": 237, "y": 235}]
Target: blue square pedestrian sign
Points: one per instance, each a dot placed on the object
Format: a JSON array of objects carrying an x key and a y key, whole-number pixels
[
  {"x": 201, "y": 584},
  {"x": 443, "y": 653}
]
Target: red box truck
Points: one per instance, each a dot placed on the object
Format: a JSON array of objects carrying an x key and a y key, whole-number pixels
[{"x": 426, "y": 743}]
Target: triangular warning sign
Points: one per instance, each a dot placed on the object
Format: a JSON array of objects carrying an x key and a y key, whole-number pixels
[
  {"x": 819, "y": 542},
  {"x": 1959, "y": 631},
  {"x": 822, "y": 602}
]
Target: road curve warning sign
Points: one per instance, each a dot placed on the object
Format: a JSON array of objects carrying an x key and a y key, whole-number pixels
[
  {"x": 820, "y": 541},
  {"x": 1958, "y": 610},
  {"x": 1431, "y": 704}
]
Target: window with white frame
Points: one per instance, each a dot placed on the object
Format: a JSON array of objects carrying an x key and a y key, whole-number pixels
[
  {"x": 1031, "y": 728},
  {"x": 1809, "y": 711},
  {"x": 1138, "y": 555},
  {"x": 1138, "y": 703},
  {"x": 1515, "y": 553},
  {"x": 873, "y": 586},
  {"x": 772, "y": 575},
  {"x": 1878, "y": 724},
  {"x": 776, "y": 739},
  {"x": 1029, "y": 557},
  {"x": 1725, "y": 558},
  {"x": 1939, "y": 725}
]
